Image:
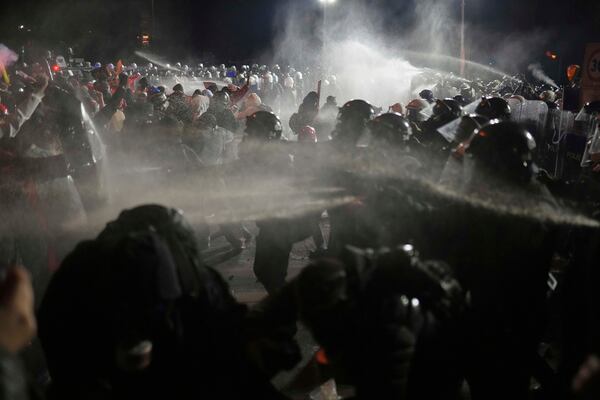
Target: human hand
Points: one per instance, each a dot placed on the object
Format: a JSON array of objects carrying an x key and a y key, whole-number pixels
[{"x": 17, "y": 320}]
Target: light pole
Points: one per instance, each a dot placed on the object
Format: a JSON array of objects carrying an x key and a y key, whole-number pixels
[
  {"x": 153, "y": 18},
  {"x": 326, "y": 4},
  {"x": 462, "y": 39}
]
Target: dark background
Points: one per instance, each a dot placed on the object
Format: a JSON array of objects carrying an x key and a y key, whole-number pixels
[{"x": 241, "y": 30}]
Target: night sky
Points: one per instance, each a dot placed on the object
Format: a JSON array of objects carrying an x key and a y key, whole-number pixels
[{"x": 239, "y": 30}]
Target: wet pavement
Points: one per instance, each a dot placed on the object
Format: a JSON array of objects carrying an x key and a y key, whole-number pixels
[{"x": 237, "y": 270}]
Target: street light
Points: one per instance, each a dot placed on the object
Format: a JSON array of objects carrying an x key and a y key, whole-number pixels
[
  {"x": 551, "y": 55},
  {"x": 462, "y": 39},
  {"x": 326, "y": 4}
]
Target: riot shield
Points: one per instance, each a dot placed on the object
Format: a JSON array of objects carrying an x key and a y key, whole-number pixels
[
  {"x": 564, "y": 122},
  {"x": 84, "y": 150},
  {"x": 515, "y": 103},
  {"x": 571, "y": 156},
  {"x": 532, "y": 114},
  {"x": 560, "y": 124},
  {"x": 470, "y": 108},
  {"x": 591, "y": 154},
  {"x": 449, "y": 130}
]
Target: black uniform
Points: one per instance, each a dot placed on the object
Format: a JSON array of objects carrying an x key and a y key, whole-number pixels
[{"x": 141, "y": 282}]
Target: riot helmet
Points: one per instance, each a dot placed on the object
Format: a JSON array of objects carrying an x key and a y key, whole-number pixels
[
  {"x": 264, "y": 125},
  {"x": 503, "y": 150},
  {"x": 494, "y": 108}
]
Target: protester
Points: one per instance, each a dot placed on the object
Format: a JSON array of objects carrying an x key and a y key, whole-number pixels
[{"x": 500, "y": 194}]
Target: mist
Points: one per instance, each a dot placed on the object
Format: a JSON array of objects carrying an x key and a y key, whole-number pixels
[
  {"x": 539, "y": 74},
  {"x": 377, "y": 61},
  {"x": 370, "y": 59}
]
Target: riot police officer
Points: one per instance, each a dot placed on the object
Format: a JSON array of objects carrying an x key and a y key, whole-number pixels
[
  {"x": 263, "y": 156},
  {"x": 494, "y": 108},
  {"x": 352, "y": 122}
]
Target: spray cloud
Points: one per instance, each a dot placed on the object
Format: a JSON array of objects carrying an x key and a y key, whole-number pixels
[{"x": 539, "y": 74}]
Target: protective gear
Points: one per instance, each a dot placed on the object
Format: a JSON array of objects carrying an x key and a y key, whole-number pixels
[
  {"x": 415, "y": 110},
  {"x": 368, "y": 313},
  {"x": 147, "y": 285},
  {"x": 220, "y": 99},
  {"x": 307, "y": 134},
  {"x": 461, "y": 130},
  {"x": 468, "y": 126},
  {"x": 427, "y": 95},
  {"x": 356, "y": 110},
  {"x": 494, "y": 108},
  {"x": 352, "y": 120},
  {"x": 264, "y": 125},
  {"x": 504, "y": 150},
  {"x": 391, "y": 128},
  {"x": 446, "y": 110}
]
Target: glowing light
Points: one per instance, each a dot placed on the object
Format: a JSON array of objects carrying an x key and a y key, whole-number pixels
[
  {"x": 321, "y": 357},
  {"x": 55, "y": 68},
  {"x": 144, "y": 39},
  {"x": 328, "y": 1},
  {"x": 551, "y": 55}
]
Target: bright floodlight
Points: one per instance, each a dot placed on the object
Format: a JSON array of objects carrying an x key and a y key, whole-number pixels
[{"x": 327, "y": 1}]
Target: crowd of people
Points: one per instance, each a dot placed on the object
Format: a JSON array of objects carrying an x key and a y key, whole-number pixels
[{"x": 459, "y": 262}]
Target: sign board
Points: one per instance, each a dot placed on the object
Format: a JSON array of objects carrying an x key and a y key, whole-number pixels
[{"x": 590, "y": 80}]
